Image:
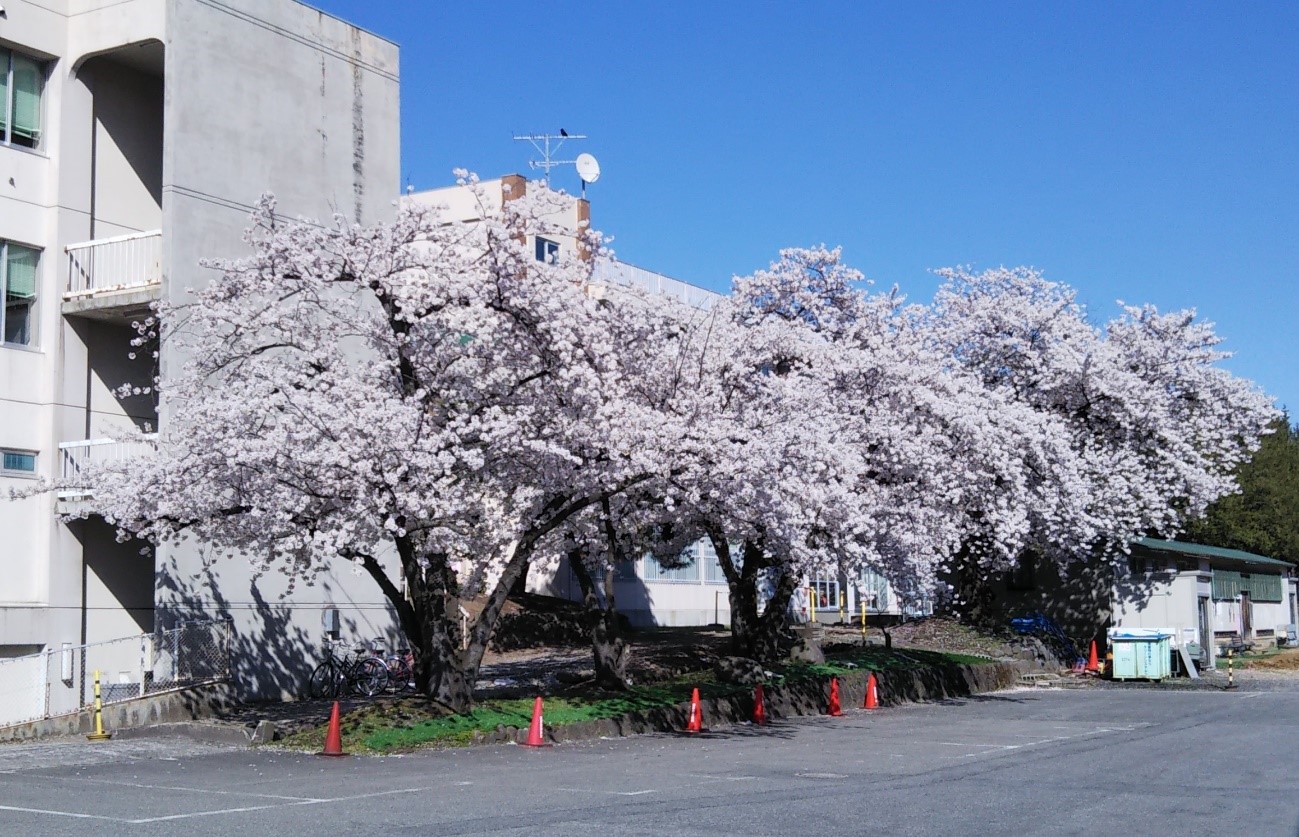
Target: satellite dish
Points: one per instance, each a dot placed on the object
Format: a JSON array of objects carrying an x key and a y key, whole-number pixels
[{"x": 588, "y": 168}]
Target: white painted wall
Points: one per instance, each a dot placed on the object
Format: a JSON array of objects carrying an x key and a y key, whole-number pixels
[
  {"x": 250, "y": 96},
  {"x": 1170, "y": 603}
]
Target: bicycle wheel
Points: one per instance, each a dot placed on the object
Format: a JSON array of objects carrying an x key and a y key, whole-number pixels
[
  {"x": 324, "y": 681},
  {"x": 370, "y": 677},
  {"x": 400, "y": 675}
]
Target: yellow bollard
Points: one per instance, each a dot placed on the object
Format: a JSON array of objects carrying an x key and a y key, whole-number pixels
[
  {"x": 811, "y": 602},
  {"x": 99, "y": 734}
]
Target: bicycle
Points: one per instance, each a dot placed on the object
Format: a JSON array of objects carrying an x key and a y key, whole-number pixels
[
  {"x": 401, "y": 670},
  {"x": 361, "y": 672}
]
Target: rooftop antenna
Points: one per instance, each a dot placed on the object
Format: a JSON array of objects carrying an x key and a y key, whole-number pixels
[
  {"x": 547, "y": 145},
  {"x": 588, "y": 168}
]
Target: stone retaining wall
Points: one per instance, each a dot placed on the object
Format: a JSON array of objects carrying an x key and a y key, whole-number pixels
[
  {"x": 807, "y": 697},
  {"x": 167, "y": 707}
]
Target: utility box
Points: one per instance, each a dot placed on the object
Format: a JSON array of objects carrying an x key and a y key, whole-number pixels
[{"x": 1141, "y": 654}]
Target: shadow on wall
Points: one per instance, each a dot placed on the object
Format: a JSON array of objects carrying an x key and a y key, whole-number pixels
[
  {"x": 118, "y": 581},
  {"x": 275, "y": 644},
  {"x": 108, "y": 348}
]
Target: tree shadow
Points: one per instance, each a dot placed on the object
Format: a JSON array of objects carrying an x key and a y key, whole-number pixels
[{"x": 271, "y": 656}]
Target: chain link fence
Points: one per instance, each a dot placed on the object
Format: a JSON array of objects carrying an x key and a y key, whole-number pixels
[{"x": 62, "y": 681}]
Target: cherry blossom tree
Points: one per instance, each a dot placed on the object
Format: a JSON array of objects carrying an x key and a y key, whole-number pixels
[
  {"x": 421, "y": 398},
  {"x": 912, "y": 445},
  {"x": 1153, "y": 428},
  {"x": 426, "y": 400}
]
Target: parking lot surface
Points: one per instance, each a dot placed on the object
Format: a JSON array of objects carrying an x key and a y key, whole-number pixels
[{"x": 1018, "y": 762}]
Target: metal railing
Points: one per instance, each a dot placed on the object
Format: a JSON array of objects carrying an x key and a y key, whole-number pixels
[
  {"x": 621, "y": 273},
  {"x": 61, "y": 681},
  {"x": 76, "y": 459},
  {"x": 106, "y": 264}
]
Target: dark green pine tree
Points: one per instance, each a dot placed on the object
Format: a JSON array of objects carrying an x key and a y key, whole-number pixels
[{"x": 1264, "y": 517}]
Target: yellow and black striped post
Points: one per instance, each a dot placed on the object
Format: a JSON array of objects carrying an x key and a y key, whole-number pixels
[
  {"x": 99, "y": 734},
  {"x": 1231, "y": 670}
]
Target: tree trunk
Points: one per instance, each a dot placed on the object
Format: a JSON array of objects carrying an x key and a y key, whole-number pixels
[
  {"x": 758, "y": 637},
  {"x": 608, "y": 649},
  {"x": 447, "y": 659}
]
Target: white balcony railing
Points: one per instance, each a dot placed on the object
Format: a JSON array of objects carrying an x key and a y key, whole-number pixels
[
  {"x": 76, "y": 458},
  {"x": 110, "y": 264},
  {"x": 621, "y": 273}
]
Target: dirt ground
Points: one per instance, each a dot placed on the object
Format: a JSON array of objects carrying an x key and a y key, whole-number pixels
[
  {"x": 1287, "y": 660},
  {"x": 666, "y": 653}
]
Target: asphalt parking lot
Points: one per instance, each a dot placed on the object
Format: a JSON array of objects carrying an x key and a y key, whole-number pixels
[{"x": 1019, "y": 762}]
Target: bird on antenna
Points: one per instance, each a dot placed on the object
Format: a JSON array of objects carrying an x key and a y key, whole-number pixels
[{"x": 563, "y": 133}]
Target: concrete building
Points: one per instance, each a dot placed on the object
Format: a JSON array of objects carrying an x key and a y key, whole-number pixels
[
  {"x": 650, "y": 595},
  {"x": 136, "y": 136},
  {"x": 460, "y": 204},
  {"x": 1206, "y": 597}
]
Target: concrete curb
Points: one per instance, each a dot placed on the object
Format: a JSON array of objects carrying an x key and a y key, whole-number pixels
[{"x": 182, "y": 714}]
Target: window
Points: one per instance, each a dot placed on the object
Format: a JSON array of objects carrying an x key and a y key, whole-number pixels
[
  {"x": 825, "y": 592},
  {"x": 654, "y": 571},
  {"x": 713, "y": 572},
  {"x": 22, "y": 79},
  {"x": 18, "y": 463},
  {"x": 18, "y": 282},
  {"x": 874, "y": 590},
  {"x": 547, "y": 250}
]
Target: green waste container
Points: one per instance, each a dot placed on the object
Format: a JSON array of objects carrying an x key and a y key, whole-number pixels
[{"x": 1141, "y": 654}]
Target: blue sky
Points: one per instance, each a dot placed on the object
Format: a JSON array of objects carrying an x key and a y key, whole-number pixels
[{"x": 1144, "y": 152}]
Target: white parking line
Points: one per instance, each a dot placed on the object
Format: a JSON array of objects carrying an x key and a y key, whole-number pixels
[
  {"x": 195, "y": 790},
  {"x": 57, "y": 813},
  {"x": 286, "y": 805},
  {"x": 296, "y": 801}
]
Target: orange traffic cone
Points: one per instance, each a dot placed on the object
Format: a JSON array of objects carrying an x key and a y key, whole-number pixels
[
  {"x": 759, "y": 709},
  {"x": 1093, "y": 665},
  {"x": 537, "y": 727},
  {"x": 696, "y": 722},
  {"x": 334, "y": 737},
  {"x": 834, "y": 709},
  {"x": 872, "y": 697}
]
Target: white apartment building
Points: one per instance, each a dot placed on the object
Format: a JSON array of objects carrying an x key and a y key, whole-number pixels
[{"x": 135, "y": 136}]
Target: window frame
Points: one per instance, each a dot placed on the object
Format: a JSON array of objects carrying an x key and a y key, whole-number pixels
[
  {"x": 33, "y": 474},
  {"x": 33, "y": 316},
  {"x": 7, "y": 55},
  {"x": 546, "y": 251},
  {"x": 653, "y": 571}
]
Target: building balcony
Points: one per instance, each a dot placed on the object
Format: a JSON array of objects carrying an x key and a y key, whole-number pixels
[
  {"x": 77, "y": 459},
  {"x": 114, "y": 279}
]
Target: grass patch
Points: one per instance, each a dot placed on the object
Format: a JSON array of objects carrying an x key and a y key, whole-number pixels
[
  {"x": 389, "y": 726},
  {"x": 400, "y": 724},
  {"x": 1261, "y": 658}
]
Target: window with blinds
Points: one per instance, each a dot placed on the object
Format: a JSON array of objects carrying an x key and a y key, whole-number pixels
[
  {"x": 18, "y": 463},
  {"x": 688, "y": 571},
  {"x": 18, "y": 280},
  {"x": 21, "y": 84}
]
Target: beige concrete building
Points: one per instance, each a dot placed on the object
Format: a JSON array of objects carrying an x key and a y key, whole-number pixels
[{"x": 136, "y": 135}]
